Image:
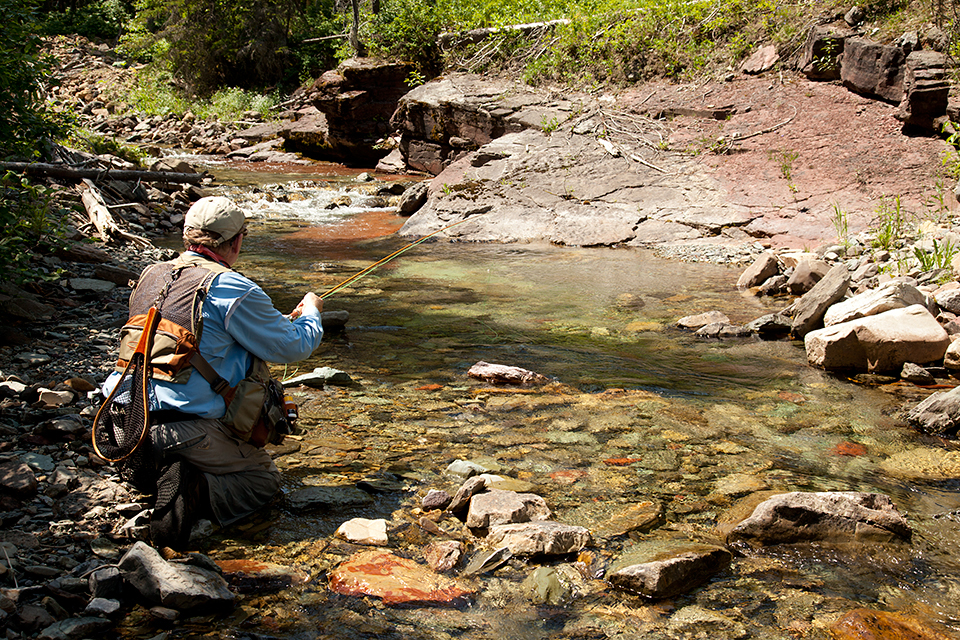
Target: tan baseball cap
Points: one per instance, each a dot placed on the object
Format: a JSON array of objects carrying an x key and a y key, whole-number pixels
[{"x": 217, "y": 214}]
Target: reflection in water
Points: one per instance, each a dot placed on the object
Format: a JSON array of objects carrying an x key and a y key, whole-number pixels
[{"x": 642, "y": 413}]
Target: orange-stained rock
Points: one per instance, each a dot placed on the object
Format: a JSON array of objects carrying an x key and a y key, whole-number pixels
[
  {"x": 395, "y": 580},
  {"x": 867, "y": 624}
]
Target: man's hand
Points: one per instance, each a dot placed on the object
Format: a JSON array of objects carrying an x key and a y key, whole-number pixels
[
  {"x": 313, "y": 300},
  {"x": 310, "y": 299}
]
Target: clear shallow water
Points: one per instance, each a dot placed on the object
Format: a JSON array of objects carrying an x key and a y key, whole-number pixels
[{"x": 701, "y": 424}]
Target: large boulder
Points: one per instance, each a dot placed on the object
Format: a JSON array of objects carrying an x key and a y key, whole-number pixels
[
  {"x": 440, "y": 121},
  {"x": 806, "y": 275},
  {"x": 355, "y": 103},
  {"x": 925, "y": 90},
  {"x": 810, "y": 309},
  {"x": 829, "y": 516},
  {"x": 883, "y": 342},
  {"x": 895, "y": 295},
  {"x": 496, "y": 507},
  {"x": 873, "y": 69},
  {"x": 764, "y": 267}
]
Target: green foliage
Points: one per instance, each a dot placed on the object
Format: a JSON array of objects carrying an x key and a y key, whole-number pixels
[
  {"x": 98, "y": 145},
  {"x": 939, "y": 258},
  {"x": 157, "y": 94},
  {"x": 100, "y": 19},
  {"x": 549, "y": 125},
  {"x": 26, "y": 120},
  {"x": 840, "y": 225},
  {"x": 890, "y": 224},
  {"x": 154, "y": 94},
  {"x": 29, "y": 222}
]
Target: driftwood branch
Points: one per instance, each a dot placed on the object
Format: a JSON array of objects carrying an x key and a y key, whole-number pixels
[
  {"x": 322, "y": 38},
  {"x": 63, "y": 171},
  {"x": 103, "y": 220},
  {"x": 476, "y": 35}
]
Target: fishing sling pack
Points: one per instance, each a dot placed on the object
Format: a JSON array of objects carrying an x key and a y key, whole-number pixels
[{"x": 161, "y": 341}]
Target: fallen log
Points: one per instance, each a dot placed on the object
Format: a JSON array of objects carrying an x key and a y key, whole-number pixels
[
  {"x": 63, "y": 171},
  {"x": 103, "y": 220}
]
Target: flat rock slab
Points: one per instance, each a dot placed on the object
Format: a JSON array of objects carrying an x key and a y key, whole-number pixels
[
  {"x": 896, "y": 295},
  {"x": 539, "y": 538},
  {"x": 666, "y": 568},
  {"x": 570, "y": 190},
  {"x": 396, "y": 580},
  {"x": 829, "y": 516},
  {"x": 923, "y": 463}
]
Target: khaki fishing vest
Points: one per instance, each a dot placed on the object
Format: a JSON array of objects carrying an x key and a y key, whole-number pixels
[{"x": 177, "y": 289}]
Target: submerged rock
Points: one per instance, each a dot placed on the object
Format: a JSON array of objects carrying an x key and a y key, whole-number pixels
[
  {"x": 663, "y": 569},
  {"x": 313, "y": 497},
  {"x": 540, "y": 538},
  {"x": 497, "y": 507},
  {"x": 863, "y": 624},
  {"x": 395, "y": 580},
  {"x": 444, "y": 555},
  {"x": 830, "y": 516}
]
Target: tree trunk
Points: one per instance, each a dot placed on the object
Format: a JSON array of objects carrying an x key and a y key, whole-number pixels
[{"x": 63, "y": 171}]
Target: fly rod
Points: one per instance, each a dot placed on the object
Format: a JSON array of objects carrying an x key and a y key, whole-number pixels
[
  {"x": 380, "y": 262},
  {"x": 384, "y": 260}
]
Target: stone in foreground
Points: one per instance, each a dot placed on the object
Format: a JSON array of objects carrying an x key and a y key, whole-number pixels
[
  {"x": 364, "y": 531},
  {"x": 829, "y": 516},
  {"x": 879, "y": 343},
  {"x": 665, "y": 569},
  {"x": 395, "y": 580},
  {"x": 539, "y": 538},
  {"x": 175, "y": 585},
  {"x": 497, "y": 507}
]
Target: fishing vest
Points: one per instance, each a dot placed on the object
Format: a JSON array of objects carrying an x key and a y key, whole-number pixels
[{"x": 177, "y": 289}]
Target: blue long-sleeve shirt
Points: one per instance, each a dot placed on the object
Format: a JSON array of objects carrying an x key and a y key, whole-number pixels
[{"x": 239, "y": 322}]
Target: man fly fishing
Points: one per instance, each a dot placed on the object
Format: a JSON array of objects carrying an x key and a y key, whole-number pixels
[{"x": 192, "y": 402}]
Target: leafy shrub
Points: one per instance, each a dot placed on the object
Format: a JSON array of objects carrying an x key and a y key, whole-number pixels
[
  {"x": 25, "y": 120},
  {"x": 30, "y": 223},
  {"x": 101, "y": 19}
]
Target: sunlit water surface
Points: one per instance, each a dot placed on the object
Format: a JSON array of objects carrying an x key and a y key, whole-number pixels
[{"x": 699, "y": 424}]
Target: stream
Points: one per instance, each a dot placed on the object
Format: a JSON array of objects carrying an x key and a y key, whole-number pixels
[{"x": 638, "y": 412}]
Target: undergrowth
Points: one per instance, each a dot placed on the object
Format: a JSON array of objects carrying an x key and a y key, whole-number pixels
[{"x": 604, "y": 41}]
